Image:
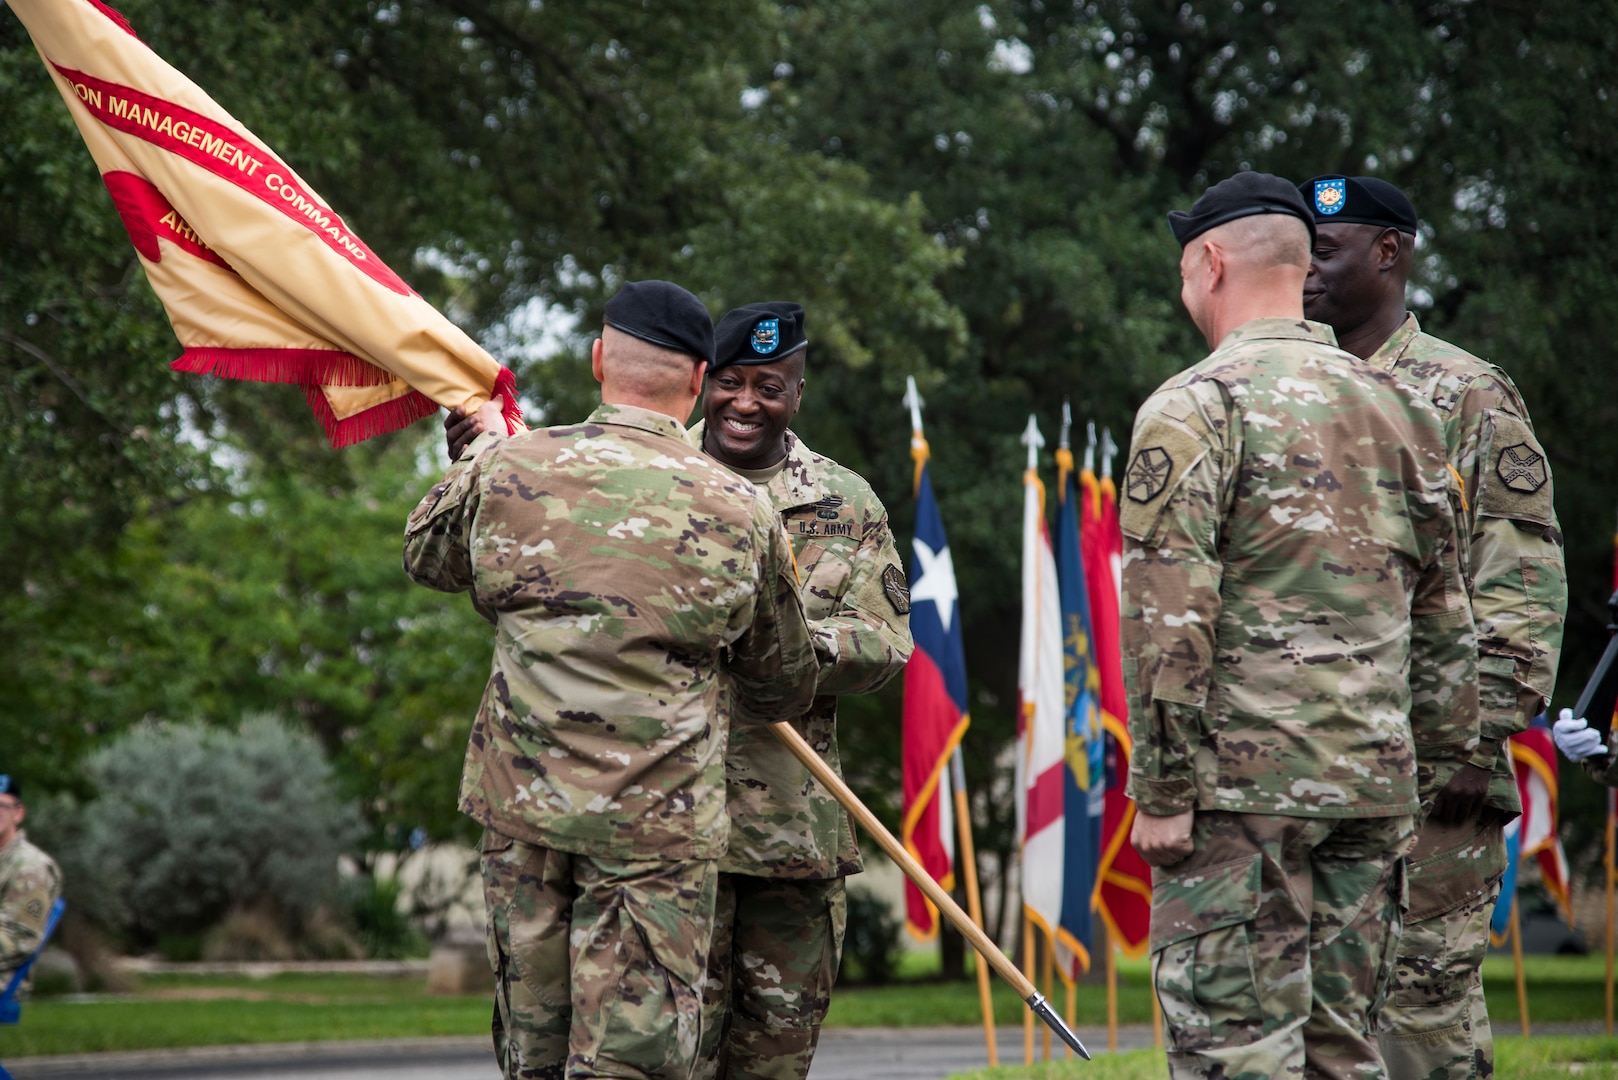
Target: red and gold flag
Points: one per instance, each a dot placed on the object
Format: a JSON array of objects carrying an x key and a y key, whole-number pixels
[{"x": 261, "y": 279}]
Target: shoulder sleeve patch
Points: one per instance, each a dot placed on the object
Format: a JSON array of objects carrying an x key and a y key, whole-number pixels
[
  {"x": 1164, "y": 450},
  {"x": 896, "y": 588},
  {"x": 1514, "y": 479}
]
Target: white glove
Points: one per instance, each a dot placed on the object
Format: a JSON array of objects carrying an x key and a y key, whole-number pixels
[{"x": 1575, "y": 738}]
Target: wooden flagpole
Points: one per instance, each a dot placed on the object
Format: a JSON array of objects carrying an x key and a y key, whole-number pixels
[
  {"x": 1071, "y": 1010},
  {"x": 1031, "y": 961},
  {"x": 1050, "y": 974},
  {"x": 974, "y": 901},
  {"x": 1612, "y": 879},
  {"x": 1516, "y": 957},
  {"x": 1112, "y": 993},
  {"x": 918, "y": 874}
]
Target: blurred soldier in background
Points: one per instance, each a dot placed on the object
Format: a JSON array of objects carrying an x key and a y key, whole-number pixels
[{"x": 29, "y": 883}]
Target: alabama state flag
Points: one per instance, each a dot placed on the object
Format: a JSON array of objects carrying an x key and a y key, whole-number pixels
[{"x": 935, "y": 714}]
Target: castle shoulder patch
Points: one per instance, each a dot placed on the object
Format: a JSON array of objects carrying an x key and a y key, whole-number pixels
[{"x": 896, "y": 588}]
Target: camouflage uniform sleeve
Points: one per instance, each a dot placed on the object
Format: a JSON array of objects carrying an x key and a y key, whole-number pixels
[
  {"x": 772, "y": 663},
  {"x": 26, "y": 907},
  {"x": 1443, "y": 661},
  {"x": 867, "y": 641},
  {"x": 1518, "y": 580},
  {"x": 1175, "y": 492},
  {"x": 438, "y": 535}
]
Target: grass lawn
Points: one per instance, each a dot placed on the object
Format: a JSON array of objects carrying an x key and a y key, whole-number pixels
[
  {"x": 192, "y": 1010},
  {"x": 1542, "y": 1058}
]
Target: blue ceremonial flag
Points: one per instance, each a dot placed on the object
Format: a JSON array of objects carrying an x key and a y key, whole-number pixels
[
  {"x": 1084, "y": 779},
  {"x": 1500, "y": 920}
]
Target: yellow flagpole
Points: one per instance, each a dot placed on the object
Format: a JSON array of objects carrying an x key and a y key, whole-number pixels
[
  {"x": 1050, "y": 968},
  {"x": 1516, "y": 957},
  {"x": 1031, "y": 972},
  {"x": 974, "y": 900},
  {"x": 1612, "y": 912},
  {"x": 1071, "y": 1011},
  {"x": 1112, "y": 993}
]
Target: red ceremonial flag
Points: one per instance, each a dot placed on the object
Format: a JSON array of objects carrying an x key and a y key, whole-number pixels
[
  {"x": 1123, "y": 880},
  {"x": 260, "y": 278},
  {"x": 935, "y": 714}
]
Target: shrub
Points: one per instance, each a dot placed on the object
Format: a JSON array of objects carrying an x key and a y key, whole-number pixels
[
  {"x": 192, "y": 823},
  {"x": 871, "y": 942}
]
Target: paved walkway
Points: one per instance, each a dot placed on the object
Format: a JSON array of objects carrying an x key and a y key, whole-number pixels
[{"x": 844, "y": 1054}]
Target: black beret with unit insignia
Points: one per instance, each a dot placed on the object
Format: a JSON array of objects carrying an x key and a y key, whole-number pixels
[
  {"x": 1359, "y": 200},
  {"x": 759, "y": 333},
  {"x": 1243, "y": 195},
  {"x": 664, "y": 314}
]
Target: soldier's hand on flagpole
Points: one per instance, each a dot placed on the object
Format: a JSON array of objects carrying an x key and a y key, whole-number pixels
[
  {"x": 460, "y": 429},
  {"x": 1162, "y": 841},
  {"x": 1462, "y": 798},
  {"x": 1575, "y": 737}
]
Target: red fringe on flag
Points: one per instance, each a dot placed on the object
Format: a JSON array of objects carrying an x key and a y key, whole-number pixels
[
  {"x": 322, "y": 366},
  {"x": 401, "y": 412},
  {"x": 505, "y": 384}
]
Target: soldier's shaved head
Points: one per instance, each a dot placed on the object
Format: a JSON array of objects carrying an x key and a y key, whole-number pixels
[
  {"x": 634, "y": 371},
  {"x": 1262, "y": 241},
  {"x": 1249, "y": 268}
]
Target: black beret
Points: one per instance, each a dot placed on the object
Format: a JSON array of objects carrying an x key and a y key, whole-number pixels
[
  {"x": 664, "y": 314},
  {"x": 9, "y": 785},
  {"x": 759, "y": 333},
  {"x": 1359, "y": 200},
  {"x": 1243, "y": 195}
]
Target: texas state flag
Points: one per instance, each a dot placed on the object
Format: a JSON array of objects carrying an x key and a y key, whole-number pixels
[{"x": 935, "y": 715}]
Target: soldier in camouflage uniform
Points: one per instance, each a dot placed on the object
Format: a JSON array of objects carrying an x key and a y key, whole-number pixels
[
  {"x": 1436, "y": 1024},
  {"x": 1300, "y": 655},
  {"x": 29, "y": 883},
  {"x": 630, "y": 579},
  {"x": 778, "y": 931}
]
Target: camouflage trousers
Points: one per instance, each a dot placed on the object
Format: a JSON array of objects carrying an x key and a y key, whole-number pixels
[
  {"x": 1272, "y": 943},
  {"x": 1436, "y": 1024},
  {"x": 598, "y": 962},
  {"x": 776, "y": 947}
]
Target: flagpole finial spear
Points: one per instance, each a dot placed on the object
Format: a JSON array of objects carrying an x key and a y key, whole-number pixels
[
  {"x": 1090, "y": 447},
  {"x": 1032, "y": 439},
  {"x": 1108, "y": 449},
  {"x": 1067, "y": 425},
  {"x": 913, "y": 400}
]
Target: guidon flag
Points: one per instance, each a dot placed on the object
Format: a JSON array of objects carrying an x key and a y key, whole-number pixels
[{"x": 261, "y": 279}]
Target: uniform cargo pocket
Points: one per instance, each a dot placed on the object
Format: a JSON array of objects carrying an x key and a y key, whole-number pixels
[{"x": 1202, "y": 940}]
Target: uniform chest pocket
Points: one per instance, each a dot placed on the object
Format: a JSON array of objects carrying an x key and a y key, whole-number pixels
[{"x": 825, "y": 571}]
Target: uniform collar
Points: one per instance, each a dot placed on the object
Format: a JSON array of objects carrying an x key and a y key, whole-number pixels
[
  {"x": 1272, "y": 328},
  {"x": 796, "y": 484},
  {"x": 634, "y": 416},
  {"x": 1393, "y": 349}
]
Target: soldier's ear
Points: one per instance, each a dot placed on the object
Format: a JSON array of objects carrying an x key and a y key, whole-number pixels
[
  {"x": 699, "y": 371},
  {"x": 595, "y": 360}
]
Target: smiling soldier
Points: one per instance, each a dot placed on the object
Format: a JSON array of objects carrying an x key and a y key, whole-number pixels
[{"x": 778, "y": 923}]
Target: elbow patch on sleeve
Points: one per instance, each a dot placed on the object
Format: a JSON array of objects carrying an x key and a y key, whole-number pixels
[
  {"x": 1514, "y": 478},
  {"x": 1165, "y": 450}
]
